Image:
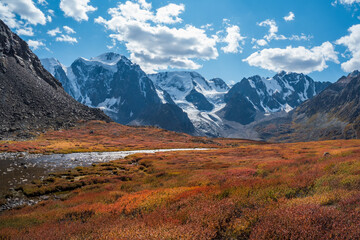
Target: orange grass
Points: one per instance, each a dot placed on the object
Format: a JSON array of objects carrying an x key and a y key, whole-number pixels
[
  {"x": 96, "y": 136},
  {"x": 250, "y": 191}
]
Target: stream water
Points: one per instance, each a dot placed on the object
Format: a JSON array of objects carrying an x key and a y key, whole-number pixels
[{"x": 20, "y": 168}]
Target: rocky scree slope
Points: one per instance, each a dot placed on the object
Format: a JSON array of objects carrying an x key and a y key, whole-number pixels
[{"x": 31, "y": 99}]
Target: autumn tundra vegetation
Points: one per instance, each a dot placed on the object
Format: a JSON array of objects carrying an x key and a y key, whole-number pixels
[{"x": 238, "y": 189}]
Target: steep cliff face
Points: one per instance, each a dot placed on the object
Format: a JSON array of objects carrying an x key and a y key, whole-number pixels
[{"x": 31, "y": 99}]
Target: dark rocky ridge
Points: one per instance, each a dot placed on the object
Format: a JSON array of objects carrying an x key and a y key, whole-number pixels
[
  {"x": 31, "y": 99},
  {"x": 332, "y": 114}
]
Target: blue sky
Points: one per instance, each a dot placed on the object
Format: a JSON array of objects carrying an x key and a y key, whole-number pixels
[{"x": 230, "y": 39}]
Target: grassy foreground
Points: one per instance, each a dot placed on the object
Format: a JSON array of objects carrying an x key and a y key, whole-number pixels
[{"x": 241, "y": 190}]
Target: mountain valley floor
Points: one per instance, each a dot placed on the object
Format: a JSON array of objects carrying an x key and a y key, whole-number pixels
[{"x": 238, "y": 190}]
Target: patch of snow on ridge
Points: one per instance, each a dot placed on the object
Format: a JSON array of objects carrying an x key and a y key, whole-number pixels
[
  {"x": 72, "y": 78},
  {"x": 107, "y": 58},
  {"x": 272, "y": 86},
  {"x": 179, "y": 84},
  {"x": 288, "y": 108},
  {"x": 50, "y": 64},
  {"x": 161, "y": 96},
  {"x": 108, "y": 104}
]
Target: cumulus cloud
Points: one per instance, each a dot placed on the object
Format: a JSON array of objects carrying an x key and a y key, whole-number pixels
[
  {"x": 27, "y": 10},
  {"x": 113, "y": 44},
  {"x": 258, "y": 43},
  {"x": 35, "y": 44},
  {"x": 8, "y": 16},
  {"x": 347, "y": 2},
  {"x": 51, "y": 12},
  {"x": 261, "y": 42},
  {"x": 290, "y": 17},
  {"x": 290, "y": 59},
  {"x": 63, "y": 37},
  {"x": 54, "y": 32},
  {"x": 77, "y": 9},
  {"x": 273, "y": 29},
  {"x": 69, "y": 30},
  {"x": 152, "y": 43},
  {"x": 233, "y": 40},
  {"x": 42, "y": 2},
  {"x": 273, "y": 33},
  {"x": 351, "y": 41},
  {"x": 170, "y": 13},
  {"x": 27, "y": 31},
  {"x": 301, "y": 37},
  {"x": 66, "y": 38}
]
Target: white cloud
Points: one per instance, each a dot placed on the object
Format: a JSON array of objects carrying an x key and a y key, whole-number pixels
[
  {"x": 26, "y": 10},
  {"x": 208, "y": 26},
  {"x": 261, "y": 42},
  {"x": 233, "y": 40},
  {"x": 299, "y": 59},
  {"x": 66, "y": 38},
  {"x": 51, "y": 12},
  {"x": 273, "y": 29},
  {"x": 152, "y": 44},
  {"x": 273, "y": 34},
  {"x": 170, "y": 13},
  {"x": 35, "y": 44},
  {"x": 42, "y": 2},
  {"x": 27, "y": 31},
  {"x": 77, "y": 9},
  {"x": 301, "y": 37},
  {"x": 113, "y": 44},
  {"x": 8, "y": 16},
  {"x": 144, "y": 4},
  {"x": 69, "y": 30},
  {"x": 347, "y": 2},
  {"x": 289, "y": 17},
  {"x": 351, "y": 41},
  {"x": 54, "y": 32}
]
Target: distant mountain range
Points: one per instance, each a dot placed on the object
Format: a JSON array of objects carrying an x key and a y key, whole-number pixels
[
  {"x": 31, "y": 99},
  {"x": 332, "y": 114},
  {"x": 121, "y": 89},
  {"x": 181, "y": 101},
  {"x": 287, "y": 107}
]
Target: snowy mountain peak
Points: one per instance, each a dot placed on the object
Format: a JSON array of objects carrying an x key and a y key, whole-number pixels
[
  {"x": 219, "y": 84},
  {"x": 111, "y": 58},
  {"x": 354, "y": 74},
  {"x": 181, "y": 83},
  {"x": 291, "y": 77},
  {"x": 198, "y": 97},
  {"x": 50, "y": 64},
  {"x": 109, "y": 61},
  {"x": 123, "y": 91},
  {"x": 283, "y": 92}
]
